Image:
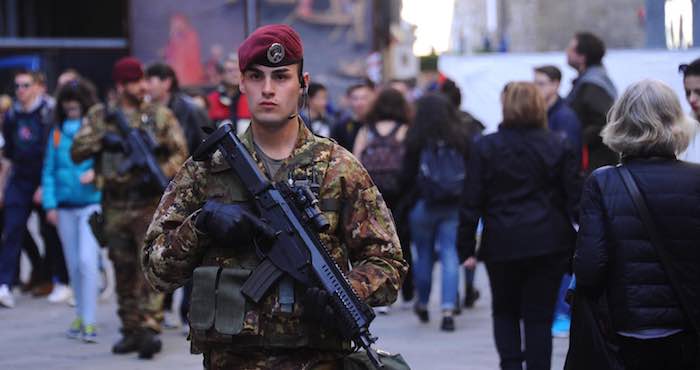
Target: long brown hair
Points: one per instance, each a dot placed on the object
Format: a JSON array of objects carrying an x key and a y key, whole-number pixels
[{"x": 523, "y": 106}]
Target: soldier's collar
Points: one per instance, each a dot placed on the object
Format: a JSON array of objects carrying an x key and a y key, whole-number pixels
[{"x": 304, "y": 138}]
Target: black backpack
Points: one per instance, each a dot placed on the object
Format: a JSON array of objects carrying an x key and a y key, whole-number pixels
[
  {"x": 441, "y": 173},
  {"x": 383, "y": 160}
]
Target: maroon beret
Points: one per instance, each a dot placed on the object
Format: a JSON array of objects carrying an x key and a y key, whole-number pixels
[
  {"x": 272, "y": 46},
  {"x": 127, "y": 69}
]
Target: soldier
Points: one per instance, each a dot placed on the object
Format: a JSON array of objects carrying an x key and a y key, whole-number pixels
[
  {"x": 204, "y": 219},
  {"x": 128, "y": 203}
]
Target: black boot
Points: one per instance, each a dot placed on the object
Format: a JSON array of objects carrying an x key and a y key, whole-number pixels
[
  {"x": 130, "y": 342},
  {"x": 150, "y": 344}
]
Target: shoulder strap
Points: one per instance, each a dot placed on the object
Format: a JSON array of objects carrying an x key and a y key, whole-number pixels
[{"x": 656, "y": 241}]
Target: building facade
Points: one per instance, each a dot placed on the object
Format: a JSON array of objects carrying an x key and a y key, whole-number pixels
[{"x": 547, "y": 25}]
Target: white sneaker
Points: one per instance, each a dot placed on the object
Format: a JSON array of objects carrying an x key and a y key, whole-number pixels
[
  {"x": 6, "y": 298},
  {"x": 60, "y": 293},
  {"x": 170, "y": 321},
  {"x": 382, "y": 310}
]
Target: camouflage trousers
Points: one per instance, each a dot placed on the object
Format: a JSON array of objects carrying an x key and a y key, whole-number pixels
[
  {"x": 140, "y": 306},
  {"x": 300, "y": 359}
]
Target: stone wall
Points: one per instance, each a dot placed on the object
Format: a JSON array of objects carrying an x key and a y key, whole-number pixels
[
  {"x": 548, "y": 25},
  {"x": 555, "y": 21}
]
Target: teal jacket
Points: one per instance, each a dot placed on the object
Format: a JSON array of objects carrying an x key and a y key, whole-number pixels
[{"x": 60, "y": 179}]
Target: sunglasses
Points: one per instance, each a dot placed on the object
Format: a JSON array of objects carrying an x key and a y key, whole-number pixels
[{"x": 25, "y": 85}]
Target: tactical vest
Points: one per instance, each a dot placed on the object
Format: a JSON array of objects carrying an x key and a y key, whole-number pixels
[
  {"x": 130, "y": 185},
  {"x": 220, "y": 316}
]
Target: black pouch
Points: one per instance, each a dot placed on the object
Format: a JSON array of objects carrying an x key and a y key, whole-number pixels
[{"x": 97, "y": 225}]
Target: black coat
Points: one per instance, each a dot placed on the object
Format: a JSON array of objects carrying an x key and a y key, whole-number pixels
[
  {"x": 591, "y": 105},
  {"x": 525, "y": 184},
  {"x": 613, "y": 250},
  {"x": 191, "y": 118}
]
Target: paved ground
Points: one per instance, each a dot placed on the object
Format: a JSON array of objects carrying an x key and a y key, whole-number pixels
[{"x": 32, "y": 338}]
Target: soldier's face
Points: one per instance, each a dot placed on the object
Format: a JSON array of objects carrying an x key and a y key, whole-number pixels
[
  {"x": 272, "y": 93},
  {"x": 133, "y": 91}
]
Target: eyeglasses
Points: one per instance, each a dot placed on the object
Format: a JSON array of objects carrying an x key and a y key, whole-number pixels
[{"x": 25, "y": 85}]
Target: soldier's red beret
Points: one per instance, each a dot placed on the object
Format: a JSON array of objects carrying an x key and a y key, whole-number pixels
[
  {"x": 127, "y": 69},
  {"x": 272, "y": 46}
]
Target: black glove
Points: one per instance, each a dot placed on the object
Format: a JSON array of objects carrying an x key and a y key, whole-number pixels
[
  {"x": 317, "y": 308},
  {"x": 112, "y": 142},
  {"x": 231, "y": 224}
]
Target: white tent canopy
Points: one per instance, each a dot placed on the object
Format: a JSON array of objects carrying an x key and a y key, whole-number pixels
[{"x": 481, "y": 77}]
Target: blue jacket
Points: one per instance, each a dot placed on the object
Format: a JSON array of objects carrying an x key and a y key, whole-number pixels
[
  {"x": 61, "y": 176},
  {"x": 563, "y": 120},
  {"x": 25, "y": 134}
]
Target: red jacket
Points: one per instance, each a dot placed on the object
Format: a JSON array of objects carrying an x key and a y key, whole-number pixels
[{"x": 219, "y": 112}]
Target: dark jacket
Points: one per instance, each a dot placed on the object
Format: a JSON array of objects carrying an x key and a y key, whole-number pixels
[
  {"x": 591, "y": 97},
  {"x": 25, "y": 136},
  {"x": 563, "y": 121},
  {"x": 613, "y": 251},
  {"x": 191, "y": 119},
  {"x": 525, "y": 184},
  {"x": 344, "y": 132}
]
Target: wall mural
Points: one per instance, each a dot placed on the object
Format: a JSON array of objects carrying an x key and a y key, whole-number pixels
[{"x": 193, "y": 36}]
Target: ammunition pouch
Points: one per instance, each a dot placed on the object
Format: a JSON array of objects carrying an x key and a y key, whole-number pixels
[
  {"x": 97, "y": 225},
  {"x": 360, "y": 361},
  {"x": 217, "y": 308}
]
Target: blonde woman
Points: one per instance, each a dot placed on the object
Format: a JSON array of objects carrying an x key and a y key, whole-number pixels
[{"x": 614, "y": 254}]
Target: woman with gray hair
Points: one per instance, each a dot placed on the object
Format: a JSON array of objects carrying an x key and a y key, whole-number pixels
[{"x": 639, "y": 238}]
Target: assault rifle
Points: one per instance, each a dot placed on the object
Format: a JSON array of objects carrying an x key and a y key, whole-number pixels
[
  {"x": 139, "y": 148},
  {"x": 293, "y": 248}
]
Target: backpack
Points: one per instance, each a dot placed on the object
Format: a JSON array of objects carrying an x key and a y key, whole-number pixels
[
  {"x": 441, "y": 173},
  {"x": 383, "y": 159}
]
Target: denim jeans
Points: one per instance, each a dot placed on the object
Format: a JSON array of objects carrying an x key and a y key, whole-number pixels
[
  {"x": 434, "y": 229},
  {"x": 81, "y": 251}
]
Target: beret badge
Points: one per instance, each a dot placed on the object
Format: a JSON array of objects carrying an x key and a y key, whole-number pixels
[{"x": 275, "y": 53}]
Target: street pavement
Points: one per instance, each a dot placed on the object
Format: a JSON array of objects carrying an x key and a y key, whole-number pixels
[{"x": 33, "y": 339}]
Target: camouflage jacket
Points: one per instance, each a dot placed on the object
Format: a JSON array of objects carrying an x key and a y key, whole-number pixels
[
  {"x": 362, "y": 238},
  {"x": 158, "y": 122}
]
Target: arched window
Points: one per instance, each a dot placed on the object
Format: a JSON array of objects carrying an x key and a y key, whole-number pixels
[{"x": 679, "y": 24}]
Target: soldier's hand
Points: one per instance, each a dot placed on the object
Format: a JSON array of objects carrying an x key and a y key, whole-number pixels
[
  {"x": 112, "y": 142},
  {"x": 317, "y": 308},
  {"x": 231, "y": 223}
]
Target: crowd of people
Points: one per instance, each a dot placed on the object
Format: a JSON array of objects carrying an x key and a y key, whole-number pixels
[{"x": 539, "y": 202}]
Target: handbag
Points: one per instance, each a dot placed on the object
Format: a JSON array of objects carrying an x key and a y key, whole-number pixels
[
  {"x": 591, "y": 343},
  {"x": 656, "y": 241}
]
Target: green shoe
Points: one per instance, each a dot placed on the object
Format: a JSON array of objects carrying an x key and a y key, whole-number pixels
[
  {"x": 75, "y": 329},
  {"x": 90, "y": 334}
]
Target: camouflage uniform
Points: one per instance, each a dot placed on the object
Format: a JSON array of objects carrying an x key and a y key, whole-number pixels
[
  {"x": 128, "y": 207},
  {"x": 362, "y": 234}
]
